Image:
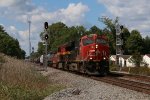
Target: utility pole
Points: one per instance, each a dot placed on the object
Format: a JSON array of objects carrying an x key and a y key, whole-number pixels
[
  {"x": 119, "y": 43},
  {"x": 29, "y": 38}
]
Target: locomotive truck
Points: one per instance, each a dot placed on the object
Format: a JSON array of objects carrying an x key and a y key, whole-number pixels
[{"x": 89, "y": 55}]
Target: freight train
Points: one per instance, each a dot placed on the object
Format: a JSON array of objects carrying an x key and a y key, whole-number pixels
[{"x": 89, "y": 55}]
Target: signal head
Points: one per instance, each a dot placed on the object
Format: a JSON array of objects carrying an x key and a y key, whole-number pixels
[
  {"x": 46, "y": 25},
  {"x": 121, "y": 27},
  {"x": 46, "y": 36}
]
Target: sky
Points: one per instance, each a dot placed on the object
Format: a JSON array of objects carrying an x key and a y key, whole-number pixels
[{"x": 14, "y": 16}]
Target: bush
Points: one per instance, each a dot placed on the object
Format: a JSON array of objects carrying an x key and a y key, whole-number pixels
[
  {"x": 2, "y": 60},
  {"x": 140, "y": 70},
  {"x": 125, "y": 69},
  {"x": 20, "y": 81},
  {"x": 20, "y": 93},
  {"x": 114, "y": 68},
  {"x": 132, "y": 70}
]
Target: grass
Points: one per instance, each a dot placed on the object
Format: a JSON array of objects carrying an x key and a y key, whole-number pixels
[
  {"x": 2, "y": 60},
  {"x": 19, "y": 81},
  {"x": 132, "y": 70},
  {"x": 140, "y": 70}
]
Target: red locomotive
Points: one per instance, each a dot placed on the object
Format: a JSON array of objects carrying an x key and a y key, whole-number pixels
[{"x": 88, "y": 55}]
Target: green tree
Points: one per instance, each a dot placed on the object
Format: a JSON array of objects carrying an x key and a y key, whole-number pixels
[
  {"x": 110, "y": 24},
  {"x": 41, "y": 48},
  {"x": 59, "y": 31},
  {"x": 80, "y": 30},
  {"x": 23, "y": 54},
  {"x": 134, "y": 42},
  {"x": 9, "y": 45},
  {"x": 54, "y": 32},
  {"x": 110, "y": 31},
  {"x": 125, "y": 35},
  {"x": 111, "y": 41},
  {"x": 146, "y": 45},
  {"x": 94, "y": 29},
  {"x": 136, "y": 59}
]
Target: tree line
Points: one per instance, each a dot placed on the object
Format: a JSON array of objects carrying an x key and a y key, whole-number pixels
[
  {"x": 60, "y": 33},
  {"x": 9, "y": 45}
]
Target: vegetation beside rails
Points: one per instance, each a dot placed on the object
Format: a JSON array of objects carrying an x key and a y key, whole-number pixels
[
  {"x": 132, "y": 70},
  {"x": 20, "y": 81},
  {"x": 2, "y": 60}
]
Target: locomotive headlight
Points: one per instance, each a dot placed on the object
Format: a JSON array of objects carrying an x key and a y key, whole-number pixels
[
  {"x": 96, "y": 46},
  {"x": 104, "y": 58},
  {"x": 91, "y": 58}
]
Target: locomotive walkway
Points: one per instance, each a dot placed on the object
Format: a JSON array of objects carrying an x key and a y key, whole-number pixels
[{"x": 82, "y": 88}]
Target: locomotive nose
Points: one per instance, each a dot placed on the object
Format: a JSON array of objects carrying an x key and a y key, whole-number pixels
[
  {"x": 101, "y": 52},
  {"x": 97, "y": 52}
]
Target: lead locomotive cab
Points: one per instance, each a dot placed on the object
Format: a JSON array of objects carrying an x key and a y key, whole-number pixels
[{"x": 94, "y": 51}]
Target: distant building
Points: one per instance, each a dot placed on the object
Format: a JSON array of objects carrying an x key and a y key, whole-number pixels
[
  {"x": 41, "y": 59},
  {"x": 129, "y": 63},
  {"x": 125, "y": 60},
  {"x": 113, "y": 59},
  {"x": 146, "y": 59}
]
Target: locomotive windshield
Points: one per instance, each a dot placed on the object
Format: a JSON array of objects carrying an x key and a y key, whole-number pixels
[
  {"x": 101, "y": 41},
  {"x": 88, "y": 41}
]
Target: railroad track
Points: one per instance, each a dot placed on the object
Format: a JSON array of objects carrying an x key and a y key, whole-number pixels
[
  {"x": 137, "y": 86},
  {"x": 134, "y": 77},
  {"x": 117, "y": 79},
  {"x": 139, "y": 78}
]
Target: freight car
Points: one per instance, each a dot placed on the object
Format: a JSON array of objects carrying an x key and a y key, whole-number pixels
[{"x": 89, "y": 55}]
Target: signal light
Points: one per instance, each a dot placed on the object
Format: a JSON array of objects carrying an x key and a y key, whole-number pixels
[
  {"x": 121, "y": 27},
  {"x": 104, "y": 58},
  {"x": 46, "y": 25},
  {"x": 46, "y": 37}
]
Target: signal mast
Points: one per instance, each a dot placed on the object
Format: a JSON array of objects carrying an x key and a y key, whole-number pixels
[
  {"x": 119, "y": 43},
  {"x": 46, "y": 42}
]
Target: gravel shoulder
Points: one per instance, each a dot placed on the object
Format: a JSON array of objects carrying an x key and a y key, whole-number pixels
[{"x": 80, "y": 88}]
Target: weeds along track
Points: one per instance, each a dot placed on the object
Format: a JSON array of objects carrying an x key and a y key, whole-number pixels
[{"x": 132, "y": 82}]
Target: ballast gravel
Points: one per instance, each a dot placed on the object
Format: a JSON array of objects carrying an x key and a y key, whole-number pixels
[{"x": 81, "y": 88}]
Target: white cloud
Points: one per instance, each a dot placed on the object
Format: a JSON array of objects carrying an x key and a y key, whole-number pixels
[
  {"x": 72, "y": 15},
  {"x": 23, "y": 38},
  {"x": 1, "y": 24},
  {"x": 14, "y": 32},
  {"x": 13, "y": 8},
  {"x": 6, "y": 3},
  {"x": 133, "y": 13},
  {"x": 21, "y": 10},
  {"x": 13, "y": 28}
]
